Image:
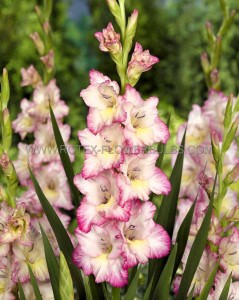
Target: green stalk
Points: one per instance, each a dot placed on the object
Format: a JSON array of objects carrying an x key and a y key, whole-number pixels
[
  {"x": 123, "y": 65},
  {"x": 123, "y": 18},
  {"x": 215, "y": 43},
  {"x": 115, "y": 293}
]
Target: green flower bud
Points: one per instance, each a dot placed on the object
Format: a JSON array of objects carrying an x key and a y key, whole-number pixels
[
  {"x": 228, "y": 113},
  {"x": 210, "y": 35},
  {"x": 215, "y": 146},
  {"x": 224, "y": 7},
  {"x": 215, "y": 79},
  {"x": 7, "y": 130},
  {"x": 231, "y": 135},
  {"x": 130, "y": 31},
  {"x": 217, "y": 52},
  {"x": 115, "y": 10},
  {"x": 232, "y": 176},
  {"x": 5, "y": 89},
  {"x": 205, "y": 63},
  {"x": 38, "y": 43},
  {"x": 47, "y": 8}
]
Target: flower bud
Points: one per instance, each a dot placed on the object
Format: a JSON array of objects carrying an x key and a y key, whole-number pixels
[
  {"x": 217, "y": 52},
  {"x": 46, "y": 27},
  {"x": 5, "y": 163},
  {"x": 205, "y": 62},
  {"x": 206, "y": 182},
  {"x": 7, "y": 130},
  {"x": 224, "y": 7},
  {"x": 109, "y": 40},
  {"x": 48, "y": 61},
  {"x": 30, "y": 77},
  {"x": 132, "y": 22},
  {"x": 232, "y": 176},
  {"x": 130, "y": 31},
  {"x": 215, "y": 78},
  {"x": 228, "y": 112},
  {"x": 215, "y": 146},
  {"x": 141, "y": 62},
  {"x": 231, "y": 135},
  {"x": 115, "y": 10},
  {"x": 38, "y": 42},
  {"x": 210, "y": 34},
  {"x": 5, "y": 90}
]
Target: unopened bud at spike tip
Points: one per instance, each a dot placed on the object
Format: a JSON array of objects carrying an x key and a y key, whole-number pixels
[
  {"x": 205, "y": 62},
  {"x": 38, "y": 42}
]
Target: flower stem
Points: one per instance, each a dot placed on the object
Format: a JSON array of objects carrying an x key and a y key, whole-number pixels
[{"x": 115, "y": 294}]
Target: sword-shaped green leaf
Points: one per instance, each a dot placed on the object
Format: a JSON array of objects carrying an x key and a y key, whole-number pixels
[
  {"x": 62, "y": 236},
  {"x": 34, "y": 284},
  {"x": 52, "y": 265},
  {"x": 207, "y": 287},
  {"x": 65, "y": 159},
  {"x": 162, "y": 290},
  {"x": 226, "y": 288},
  {"x": 65, "y": 281}
]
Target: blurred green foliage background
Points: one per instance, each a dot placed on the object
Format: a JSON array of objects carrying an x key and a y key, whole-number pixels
[{"x": 173, "y": 30}]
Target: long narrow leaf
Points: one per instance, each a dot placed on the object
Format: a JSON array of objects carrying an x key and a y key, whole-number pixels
[
  {"x": 65, "y": 281},
  {"x": 196, "y": 251},
  {"x": 226, "y": 288},
  {"x": 207, "y": 287},
  {"x": 182, "y": 236},
  {"x": 148, "y": 290},
  {"x": 65, "y": 159},
  {"x": 52, "y": 265},
  {"x": 162, "y": 290},
  {"x": 161, "y": 147},
  {"x": 168, "y": 208},
  {"x": 21, "y": 292},
  {"x": 190, "y": 297},
  {"x": 62, "y": 237},
  {"x": 96, "y": 288},
  {"x": 115, "y": 293},
  {"x": 34, "y": 285},
  {"x": 167, "y": 212},
  {"x": 87, "y": 287},
  {"x": 132, "y": 287}
]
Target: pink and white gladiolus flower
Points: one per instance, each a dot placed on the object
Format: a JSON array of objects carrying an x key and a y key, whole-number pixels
[
  {"x": 228, "y": 250},
  {"x": 25, "y": 122},
  {"x": 103, "y": 150},
  {"x": 45, "y": 290},
  {"x": 6, "y": 283},
  {"x": 143, "y": 238},
  {"x": 105, "y": 104},
  {"x": 139, "y": 176},
  {"x": 14, "y": 225},
  {"x": 100, "y": 252},
  {"x": 109, "y": 40},
  {"x": 31, "y": 77},
  {"x": 143, "y": 125},
  {"x": 45, "y": 95},
  {"x": 141, "y": 61},
  {"x": 35, "y": 256},
  {"x": 101, "y": 202}
]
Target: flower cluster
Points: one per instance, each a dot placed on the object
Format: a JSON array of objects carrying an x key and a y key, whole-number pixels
[
  {"x": 210, "y": 142},
  {"x": 21, "y": 245},
  {"x": 42, "y": 155},
  {"x": 116, "y": 230}
]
